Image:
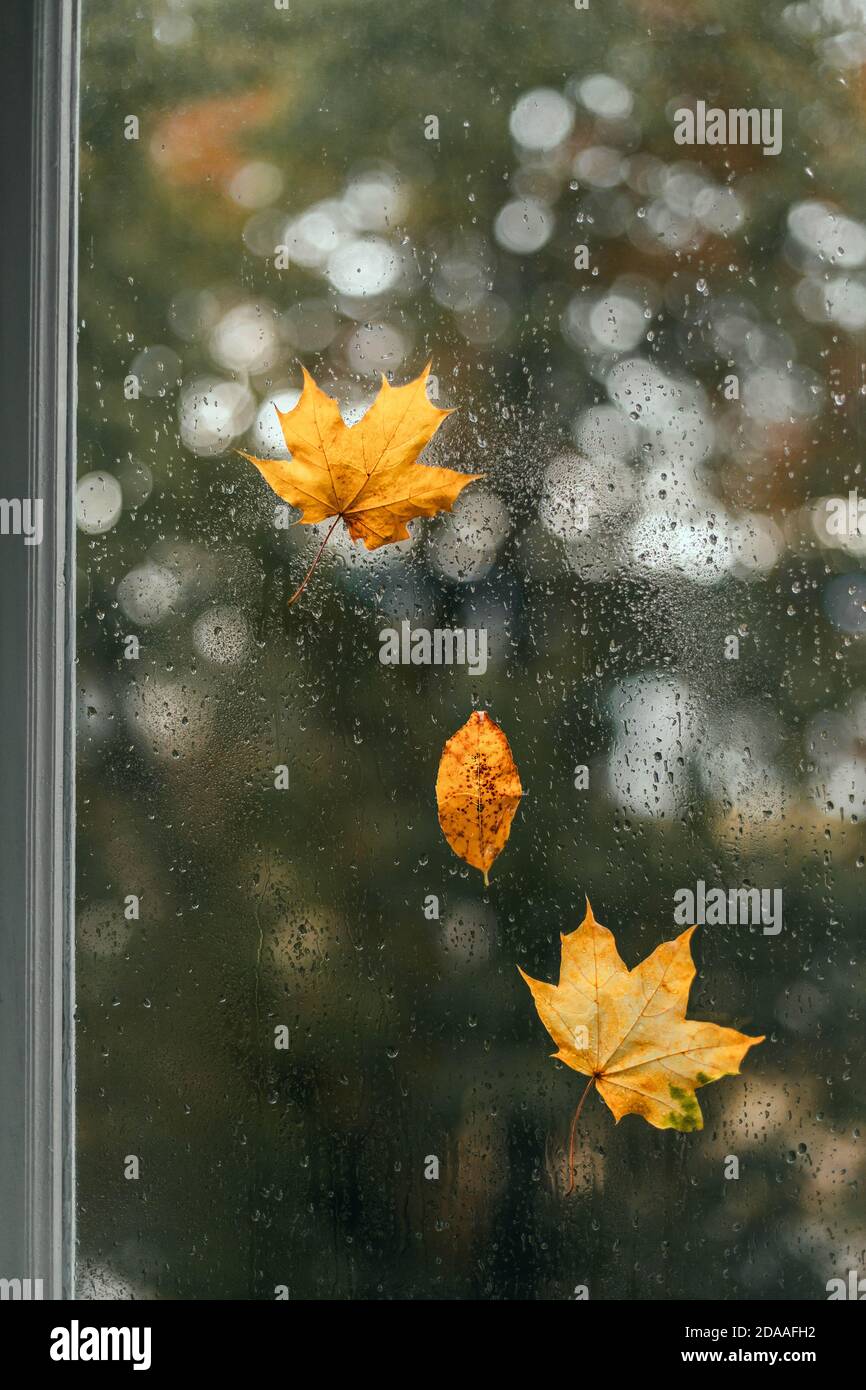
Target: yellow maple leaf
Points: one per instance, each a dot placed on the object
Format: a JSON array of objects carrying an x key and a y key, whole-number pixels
[
  {"x": 477, "y": 791},
  {"x": 367, "y": 473},
  {"x": 627, "y": 1029}
]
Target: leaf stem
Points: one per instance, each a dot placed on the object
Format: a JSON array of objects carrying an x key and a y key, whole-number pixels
[
  {"x": 308, "y": 576},
  {"x": 590, "y": 1083}
]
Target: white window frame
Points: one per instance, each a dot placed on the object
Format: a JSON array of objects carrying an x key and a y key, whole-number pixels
[{"x": 39, "y": 63}]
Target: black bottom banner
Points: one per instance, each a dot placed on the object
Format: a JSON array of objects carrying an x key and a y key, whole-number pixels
[{"x": 156, "y": 1338}]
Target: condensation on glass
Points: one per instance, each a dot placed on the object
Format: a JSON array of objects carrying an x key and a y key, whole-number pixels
[{"x": 292, "y": 996}]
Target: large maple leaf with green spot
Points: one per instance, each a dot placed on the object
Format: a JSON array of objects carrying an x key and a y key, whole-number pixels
[{"x": 627, "y": 1029}]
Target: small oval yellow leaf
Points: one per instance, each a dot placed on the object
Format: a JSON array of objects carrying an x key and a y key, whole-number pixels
[{"x": 477, "y": 791}]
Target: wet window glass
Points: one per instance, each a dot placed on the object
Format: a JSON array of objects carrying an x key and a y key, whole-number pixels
[{"x": 596, "y": 634}]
